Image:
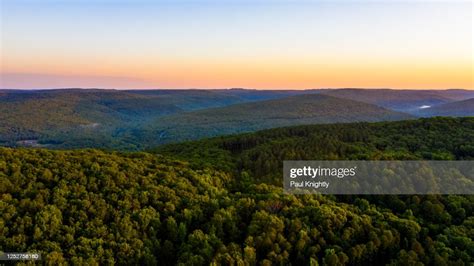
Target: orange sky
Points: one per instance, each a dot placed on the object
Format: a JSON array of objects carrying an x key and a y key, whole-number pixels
[{"x": 264, "y": 45}]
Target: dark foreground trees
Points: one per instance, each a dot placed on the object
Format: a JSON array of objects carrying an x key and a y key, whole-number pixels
[
  {"x": 91, "y": 207},
  {"x": 94, "y": 207}
]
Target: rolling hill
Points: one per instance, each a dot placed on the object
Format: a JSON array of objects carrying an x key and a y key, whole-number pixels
[
  {"x": 114, "y": 119},
  {"x": 89, "y": 117},
  {"x": 459, "y": 108},
  {"x": 293, "y": 110},
  {"x": 73, "y": 115},
  {"x": 195, "y": 99},
  {"x": 409, "y": 101},
  {"x": 134, "y": 119},
  {"x": 224, "y": 206},
  {"x": 262, "y": 153}
]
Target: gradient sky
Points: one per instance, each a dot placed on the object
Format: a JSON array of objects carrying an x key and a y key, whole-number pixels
[{"x": 221, "y": 44}]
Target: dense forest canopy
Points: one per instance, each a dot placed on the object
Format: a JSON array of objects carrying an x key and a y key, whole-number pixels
[
  {"x": 218, "y": 201},
  {"x": 262, "y": 153}
]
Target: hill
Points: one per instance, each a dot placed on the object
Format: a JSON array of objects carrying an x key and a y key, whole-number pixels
[
  {"x": 195, "y": 99},
  {"x": 409, "y": 101},
  {"x": 261, "y": 154},
  {"x": 95, "y": 207},
  {"x": 35, "y": 114},
  {"x": 131, "y": 120},
  {"x": 92, "y": 117},
  {"x": 293, "y": 110},
  {"x": 459, "y": 108}
]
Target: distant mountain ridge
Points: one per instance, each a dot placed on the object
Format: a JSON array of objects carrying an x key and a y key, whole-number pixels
[
  {"x": 133, "y": 119},
  {"x": 408, "y": 101},
  {"x": 288, "y": 111},
  {"x": 459, "y": 108}
]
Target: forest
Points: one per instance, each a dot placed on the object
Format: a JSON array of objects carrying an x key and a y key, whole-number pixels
[
  {"x": 134, "y": 120},
  {"x": 219, "y": 201}
]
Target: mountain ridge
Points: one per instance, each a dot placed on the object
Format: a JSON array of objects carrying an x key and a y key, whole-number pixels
[
  {"x": 291, "y": 110},
  {"x": 458, "y": 108}
]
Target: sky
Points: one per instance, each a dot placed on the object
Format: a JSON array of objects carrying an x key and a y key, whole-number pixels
[{"x": 261, "y": 44}]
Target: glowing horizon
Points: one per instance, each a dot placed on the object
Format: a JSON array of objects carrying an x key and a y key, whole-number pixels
[{"x": 245, "y": 44}]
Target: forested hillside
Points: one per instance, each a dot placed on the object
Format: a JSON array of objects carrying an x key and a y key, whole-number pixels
[
  {"x": 29, "y": 114},
  {"x": 459, "y": 108},
  {"x": 91, "y": 117},
  {"x": 43, "y": 111},
  {"x": 133, "y": 120},
  {"x": 248, "y": 117},
  {"x": 136, "y": 119},
  {"x": 82, "y": 117},
  {"x": 262, "y": 153},
  {"x": 94, "y": 207},
  {"x": 408, "y": 101}
]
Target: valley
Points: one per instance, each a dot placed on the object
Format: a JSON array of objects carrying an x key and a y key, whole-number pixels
[{"x": 134, "y": 120}]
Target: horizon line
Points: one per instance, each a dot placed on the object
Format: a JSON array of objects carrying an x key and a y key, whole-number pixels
[{"x": 236, "y": 88}]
